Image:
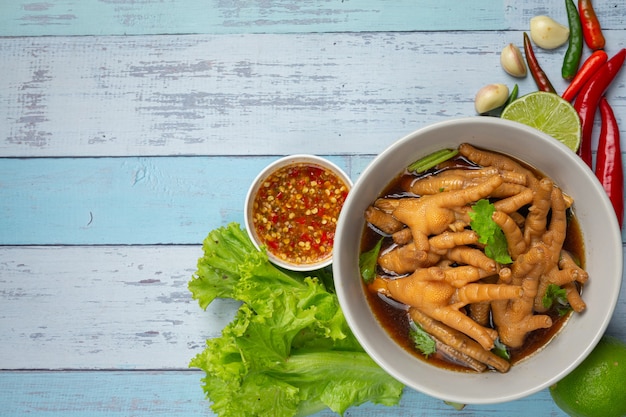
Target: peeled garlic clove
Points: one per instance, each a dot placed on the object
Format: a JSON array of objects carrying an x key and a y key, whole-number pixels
[
  {"x": 547, "y": 33},
  {"x": 490, "y": 97},
  {"x": 512, "y": 61}
]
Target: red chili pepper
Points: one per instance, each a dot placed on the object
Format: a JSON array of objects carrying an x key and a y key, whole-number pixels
[
  {"x": 540, "y": 77},
  {"x": 609, "y": 160},
  {"x": 592, "y": 31},
  {"x": 587, "y": 101},
  {"x": 586, "y": 71}
]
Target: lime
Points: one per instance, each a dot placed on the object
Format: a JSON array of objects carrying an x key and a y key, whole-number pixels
[
  {"x": 596, "y": 386},
  {"x": 548, "y": 113}
]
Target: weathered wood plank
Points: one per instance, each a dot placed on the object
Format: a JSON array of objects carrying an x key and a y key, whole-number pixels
[
  {"x": 135, "y": 200},
  {"x": 102, "y": 308},
  {"x": 25, "y": 18},
  {"x": 113, "y": 307},
  {"x": 128, "y": 17},
  {"x": 124, "y": 201},
  {"x": 247, "y": 94},
  {"x": 170, "y": 393}
]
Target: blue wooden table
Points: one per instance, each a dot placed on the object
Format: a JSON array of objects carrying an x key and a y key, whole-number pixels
[{"x": 129, "y": 129}]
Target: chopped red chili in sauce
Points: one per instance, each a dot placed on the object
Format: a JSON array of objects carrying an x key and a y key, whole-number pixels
[{"x": 295, "y": 212}]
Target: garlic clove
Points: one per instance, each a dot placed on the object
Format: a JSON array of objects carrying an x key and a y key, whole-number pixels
[
  {"x": 512, "y": 61},
  {"x": 547, "y": 33},
  {"x": 490, "y": 97}
]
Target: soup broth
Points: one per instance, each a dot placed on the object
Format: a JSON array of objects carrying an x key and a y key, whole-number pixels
[{"x": 392, "y": 314}]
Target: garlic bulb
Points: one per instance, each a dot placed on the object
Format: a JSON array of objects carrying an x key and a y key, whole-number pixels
[
  {"x": 512, "y": 61},
  {"x": 547, "y": 33},
  {"x": 490, "y": 97}
]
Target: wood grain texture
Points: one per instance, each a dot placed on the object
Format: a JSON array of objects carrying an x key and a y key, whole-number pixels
[
  {"x": 134, "y": 200},
  {"x": 171, "y": 393},
  {"x": 248, "y": 94},
  {"x": 128, "y": 17},
  {"x": 131, "y": 17},
  {"x": 102, "y": 308},
  {"x": 126, "y": 201},
  {"x": 133, "y": 127},
  {"x": 113, "y": 307}
]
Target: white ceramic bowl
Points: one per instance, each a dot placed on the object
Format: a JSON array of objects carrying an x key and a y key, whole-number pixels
[
  {"x": 254, "y": 188},
  {"x": 603, "y": 253}
]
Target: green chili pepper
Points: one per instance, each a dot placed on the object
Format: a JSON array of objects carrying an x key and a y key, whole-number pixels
[{"x": 571, "y": 60}]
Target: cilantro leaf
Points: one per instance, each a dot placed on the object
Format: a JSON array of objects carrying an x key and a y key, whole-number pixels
[
  {"x": 489, "y": 233},
  {"x": 553, "y": 294},
  {"x": 556, "y": 295},
  {"x": 368, "y": 261},
  {"x": 423, "y": 341},
  {"x": 497, "y": 248}
]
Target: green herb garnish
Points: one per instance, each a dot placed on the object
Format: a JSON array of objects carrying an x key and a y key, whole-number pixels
[
  {"x": 556, "y": 295},
  {"x": 432, "y": 160},
  {"x": 368, "y": 261},
  {"x": 501, "y": 350},
  {"x": 423, "y": 341},
  {"x": 489, "y": 233}
]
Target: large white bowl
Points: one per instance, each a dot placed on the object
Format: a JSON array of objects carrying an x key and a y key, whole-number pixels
[{"x": 603, "y": 253}]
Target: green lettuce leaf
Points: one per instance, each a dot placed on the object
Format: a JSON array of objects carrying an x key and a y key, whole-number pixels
[{"x": 288, "y": 351}]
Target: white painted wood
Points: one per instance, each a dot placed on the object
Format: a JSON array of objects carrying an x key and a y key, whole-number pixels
[
  {"x": 119, "y": 201},
  {"x": 102, "y": 307},
  {"x": 247, "y": 94},
  {"x": 112, "y": 307}
]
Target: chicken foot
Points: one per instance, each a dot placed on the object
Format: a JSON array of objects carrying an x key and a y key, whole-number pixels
[
  {"x": 458, "y": 341},
  {"x": 432, "y": 214},
  {"x": 428, "y": 290}
]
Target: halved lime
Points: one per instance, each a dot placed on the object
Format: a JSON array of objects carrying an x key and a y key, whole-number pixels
[{"x": 548, "y": 113}]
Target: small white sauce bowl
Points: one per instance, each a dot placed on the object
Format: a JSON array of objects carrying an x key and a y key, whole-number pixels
[{"x": 254, "y": 188}]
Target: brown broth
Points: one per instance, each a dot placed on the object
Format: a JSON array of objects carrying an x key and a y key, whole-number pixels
[{"x": 395, "y": 320}]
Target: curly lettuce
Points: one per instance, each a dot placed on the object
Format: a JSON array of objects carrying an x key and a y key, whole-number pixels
[{"x": 289, "y": 350}]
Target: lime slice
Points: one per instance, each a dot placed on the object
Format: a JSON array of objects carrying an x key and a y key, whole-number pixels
[{"x": 548, "y": 113}]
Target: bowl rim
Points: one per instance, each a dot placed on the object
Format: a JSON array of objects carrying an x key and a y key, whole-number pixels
[
  {"x": 251, "y": 194},
  {"x": 345, "y": 263}
]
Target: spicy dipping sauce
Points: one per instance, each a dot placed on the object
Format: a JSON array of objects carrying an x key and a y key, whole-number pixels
[{"x": 295, "y": 210}]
